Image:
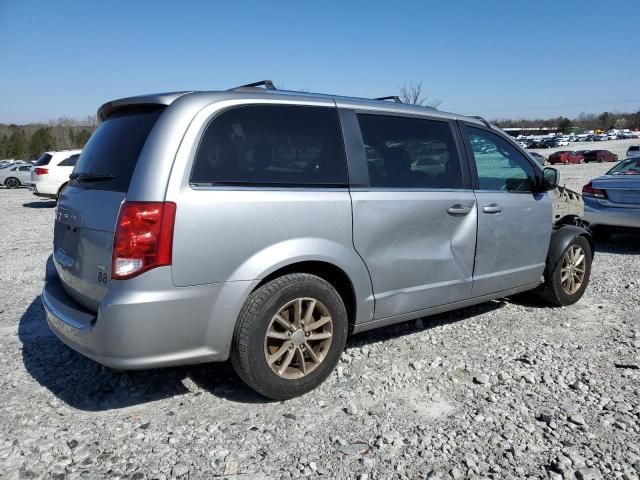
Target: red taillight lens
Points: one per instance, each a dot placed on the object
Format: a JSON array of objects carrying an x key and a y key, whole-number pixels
[
  {"x": 143, "y": 238},
  {"x": 40, "y": 171},
  {"x": 589, "y": 191}
]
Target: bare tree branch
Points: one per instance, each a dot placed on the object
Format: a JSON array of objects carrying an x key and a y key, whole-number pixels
[{"x": 411, "y": 93}]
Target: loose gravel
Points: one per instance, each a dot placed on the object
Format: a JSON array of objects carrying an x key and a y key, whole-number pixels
[{"x": 507, "y": 389}]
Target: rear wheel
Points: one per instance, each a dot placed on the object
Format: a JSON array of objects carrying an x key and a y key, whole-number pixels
[
  {"x": 290, "y": 335},
  {"x": 12, "y": 182},
  {"x": 569, "y": 279}
]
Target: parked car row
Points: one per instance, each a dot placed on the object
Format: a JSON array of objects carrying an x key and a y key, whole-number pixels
[
  {"x": 564, "y": 141},
  {"x": 582, "y": 156}
]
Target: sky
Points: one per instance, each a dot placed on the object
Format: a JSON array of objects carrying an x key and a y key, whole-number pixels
[{"x": 499, "y": 59}]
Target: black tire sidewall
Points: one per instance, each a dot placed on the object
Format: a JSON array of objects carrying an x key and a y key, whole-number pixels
[
  {"x": 12, "y": 182},
  {"x": 263, "y": 379},
  {"x": 564, "y": 297}
]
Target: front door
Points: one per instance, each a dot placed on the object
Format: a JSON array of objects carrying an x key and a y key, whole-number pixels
[
  {"x": 514, "y": 224},
  {"x": 415, "y": 223}
]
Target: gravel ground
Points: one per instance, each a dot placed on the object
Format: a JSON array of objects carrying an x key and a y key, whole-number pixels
[{"x": 507, "y": 389}]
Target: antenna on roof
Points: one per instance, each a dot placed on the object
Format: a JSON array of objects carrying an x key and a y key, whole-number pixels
[
  {"x": 395, "y": 98},
  {"x": 267, "y": 84}
]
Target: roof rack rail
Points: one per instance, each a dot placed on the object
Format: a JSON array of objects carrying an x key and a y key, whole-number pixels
[
  {"x": 267, "y": 84},
  {"x": 483, "y": 120},
  {"x": 395, "y": 98}
]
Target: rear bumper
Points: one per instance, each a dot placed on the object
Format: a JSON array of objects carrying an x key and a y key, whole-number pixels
[
  {"x": 599, "y": 215},
  {"x": 147, "y": 322},
  {"x": 33, "y": 188}
]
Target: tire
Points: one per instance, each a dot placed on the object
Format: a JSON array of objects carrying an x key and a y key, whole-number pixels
[
  {"x": 553, "y": 291},
  {"x": 251, "y": 346},
  {"x": 12, "y": 182}
]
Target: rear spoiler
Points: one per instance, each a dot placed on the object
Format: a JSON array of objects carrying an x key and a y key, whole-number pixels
[{"x": 144, "y": 100}]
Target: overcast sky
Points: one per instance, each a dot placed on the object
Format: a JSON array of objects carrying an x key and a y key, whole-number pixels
[{"x": 493, "y": 58}]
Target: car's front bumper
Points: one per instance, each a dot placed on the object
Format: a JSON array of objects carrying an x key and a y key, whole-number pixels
[
  {"x": 149, "y": 323},
  {"x": 600, "y": 215}
]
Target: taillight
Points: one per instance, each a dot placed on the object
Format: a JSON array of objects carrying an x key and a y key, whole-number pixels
[
  {"x": 589, "y": 191},
  {"x": 143, "y": 238},
  {"x": 40, "y": 171}
]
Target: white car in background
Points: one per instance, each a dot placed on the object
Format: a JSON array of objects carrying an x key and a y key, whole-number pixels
[
  {"x": 15, "y": 174},
  {"x": 51, "y": 172},
  {"x": 562, "y": 141}
]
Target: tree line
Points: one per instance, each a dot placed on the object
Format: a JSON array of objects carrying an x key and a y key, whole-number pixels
[
  {"x": 28, "y": 142},
  {"x": 584, "y": 121}
]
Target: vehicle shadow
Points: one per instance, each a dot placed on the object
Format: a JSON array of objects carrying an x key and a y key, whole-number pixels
[
  {"x": 621, "y": 243},
  {"x": 425, "y": 323},
  {"x": 86, "y": 385},
  {"x": 40, "y": 204}
]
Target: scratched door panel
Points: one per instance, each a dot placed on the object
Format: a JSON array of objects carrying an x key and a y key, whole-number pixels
[{"x": 418, "y": 253}]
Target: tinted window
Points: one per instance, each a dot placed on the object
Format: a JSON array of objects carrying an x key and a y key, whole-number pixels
[
  {"x": 24, "y": 169},
  {"x": 43, "y": 160},
  {"x": 115, "y": 146},
  {"x": 272, "y": 145},
  {"x": 69, "y": 162},
  {"x": 500, "y": 166},
  {"x": 410, "y": 153}
]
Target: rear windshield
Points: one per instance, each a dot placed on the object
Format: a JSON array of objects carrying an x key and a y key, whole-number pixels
[
  {"x": 110, "y": 156},
  {"x": 43, "y": 160}
]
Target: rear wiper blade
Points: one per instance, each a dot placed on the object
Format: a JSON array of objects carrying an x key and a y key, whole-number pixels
[{"x": 90, "y": 177}]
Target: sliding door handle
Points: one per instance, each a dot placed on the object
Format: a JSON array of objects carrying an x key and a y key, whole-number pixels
[{"x": 493, "y": 208}]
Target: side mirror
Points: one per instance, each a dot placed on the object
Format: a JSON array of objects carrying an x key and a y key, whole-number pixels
[{"x": 550, "y": 179}]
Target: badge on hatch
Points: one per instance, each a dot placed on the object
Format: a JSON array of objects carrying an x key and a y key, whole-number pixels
[{"x": 103, "y": 275}]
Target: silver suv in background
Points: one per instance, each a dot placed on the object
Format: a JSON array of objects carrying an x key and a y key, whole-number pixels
[{"x": 266, "y": 226}]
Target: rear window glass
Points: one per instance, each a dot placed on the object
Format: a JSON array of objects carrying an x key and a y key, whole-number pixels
[
  {"x": 43, "y": 160},
  {"x": 272, "y": 145},
  {"x": 112, "y": 152}
]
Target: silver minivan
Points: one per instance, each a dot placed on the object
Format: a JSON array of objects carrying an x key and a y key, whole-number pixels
[{"x": 266, "y": 226}]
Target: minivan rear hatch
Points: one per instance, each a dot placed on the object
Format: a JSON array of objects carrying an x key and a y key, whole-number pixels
[{"x": 88, "y": 209}]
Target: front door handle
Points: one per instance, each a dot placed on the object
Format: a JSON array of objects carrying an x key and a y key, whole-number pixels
[
  {"x": 493, "y": 208},
  {"x": 458, "y": 209}
]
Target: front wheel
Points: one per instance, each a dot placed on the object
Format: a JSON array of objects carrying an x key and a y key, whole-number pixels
[
  {"x": 289, "y": 336},
  {"x": 569, "y": 279}
]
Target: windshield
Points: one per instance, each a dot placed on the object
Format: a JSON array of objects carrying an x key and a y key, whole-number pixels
[
  {"x": 628, "y": 167},
  {"x": 111, "y": 154}
]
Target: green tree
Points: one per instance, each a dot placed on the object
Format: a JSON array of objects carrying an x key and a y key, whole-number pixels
[
  {"x": 17, "y": 144},
  {"x": 81, "y": 137},
  {"x": 40, "y": 141},
  {"x": 3, "y": 146},
  {"x": 604, "y": 119},
  {"x": 564, "y": 125}
]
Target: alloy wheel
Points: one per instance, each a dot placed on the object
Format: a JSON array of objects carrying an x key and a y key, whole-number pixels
[
  {"x": 298, "y": 338},
  {"x": 573, "y": 269}
]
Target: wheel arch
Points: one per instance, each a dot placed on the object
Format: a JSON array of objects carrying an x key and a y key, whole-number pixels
[
  {"x": 560, "y": 240},
  {"x": 329, "y": 272}
]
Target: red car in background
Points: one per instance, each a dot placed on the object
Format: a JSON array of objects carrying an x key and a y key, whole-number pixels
[
  {"x": 565, "y": 157},
  {"x": 600, "y": 156}
]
